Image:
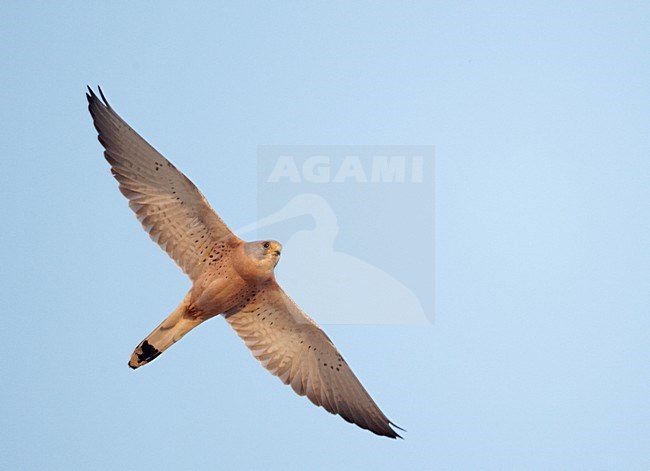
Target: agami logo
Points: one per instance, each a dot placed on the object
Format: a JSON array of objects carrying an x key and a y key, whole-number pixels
[
  {"x": 323, "y": 169},
  {"x": 341, "y": 212}
]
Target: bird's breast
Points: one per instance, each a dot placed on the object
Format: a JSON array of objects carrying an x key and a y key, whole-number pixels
[{"x": 219, "y": 295}]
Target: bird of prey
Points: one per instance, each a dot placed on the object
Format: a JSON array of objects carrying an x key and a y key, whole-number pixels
[{"x": 230, "y": 277}]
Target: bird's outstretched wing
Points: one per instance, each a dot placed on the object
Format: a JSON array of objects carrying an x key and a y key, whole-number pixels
[
  {"x": 170, "y": 207},
  {"x": 292, "y": 346}
]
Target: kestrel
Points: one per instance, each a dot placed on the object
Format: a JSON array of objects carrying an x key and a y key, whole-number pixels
[{"x": 230, "y": 277}]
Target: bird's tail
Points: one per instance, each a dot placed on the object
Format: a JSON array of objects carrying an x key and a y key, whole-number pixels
[{"x": 164, "y": 336}]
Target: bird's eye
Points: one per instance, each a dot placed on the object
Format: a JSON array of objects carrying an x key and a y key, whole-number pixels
[{"x": 267, "y": 245}]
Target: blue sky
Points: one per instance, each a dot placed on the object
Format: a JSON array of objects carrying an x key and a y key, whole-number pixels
[{"x": 536, "y": 356}]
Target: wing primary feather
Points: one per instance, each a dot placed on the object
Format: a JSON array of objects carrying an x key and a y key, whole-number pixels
[{"x": 103, "y": 97}]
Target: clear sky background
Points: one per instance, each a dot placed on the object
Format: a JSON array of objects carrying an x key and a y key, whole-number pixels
[{"x": 537, "y": 356}]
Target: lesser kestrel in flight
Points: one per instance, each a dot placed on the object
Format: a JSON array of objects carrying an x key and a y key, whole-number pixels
[{"x": 230, "y": 277}]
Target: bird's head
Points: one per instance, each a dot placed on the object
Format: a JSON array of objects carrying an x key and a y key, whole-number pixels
[{"x": 264, "y": 253}]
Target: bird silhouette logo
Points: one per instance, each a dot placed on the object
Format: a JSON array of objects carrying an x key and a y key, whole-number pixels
[{"x": 354, "y": 290}]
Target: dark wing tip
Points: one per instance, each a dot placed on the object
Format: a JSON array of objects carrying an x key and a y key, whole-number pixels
[
  {"x": 396, "y": 426},
  {"x": 393, "y": 434},
  {"x": 92, "y": 96},
  {"x": 382, "y": 429},
  {"x": 101, "y": 93},
  {"x": 387, "y": 430},
  {"x": 397, "y": 435}
]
